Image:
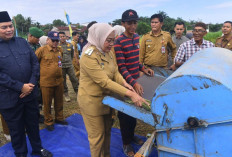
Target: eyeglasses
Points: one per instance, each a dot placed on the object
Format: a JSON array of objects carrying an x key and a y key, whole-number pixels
[
  {"x": 198, "y": 31},
  {"x": 110, "y": 40},
  {"x": 55, "y": 40}
]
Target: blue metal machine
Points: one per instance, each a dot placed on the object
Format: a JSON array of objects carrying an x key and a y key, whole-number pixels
[{"x": 192, "y": 109}]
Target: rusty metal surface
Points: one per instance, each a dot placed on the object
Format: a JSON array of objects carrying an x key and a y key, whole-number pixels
[{"x": 147, "y": 147}]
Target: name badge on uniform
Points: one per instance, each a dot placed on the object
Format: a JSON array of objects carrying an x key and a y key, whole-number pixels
[
  {"x": 59, "y": 62},
  {"x": 89, "y": 51},
  {"x": 163, "y": 49}
]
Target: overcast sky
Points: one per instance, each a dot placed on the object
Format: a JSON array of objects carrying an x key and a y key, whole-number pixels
[{"x": 82, "y": 11}]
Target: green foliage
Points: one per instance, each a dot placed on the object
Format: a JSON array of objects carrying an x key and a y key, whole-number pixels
[
  {"x": 116, "y": 22},
  {"x": 23, "y": 23},
  {"x": 212, "y": 36},
  {"x": 58, "y": 22},
  {"x": 143, "y": 28},
  {"x": 215, "y": 27}
]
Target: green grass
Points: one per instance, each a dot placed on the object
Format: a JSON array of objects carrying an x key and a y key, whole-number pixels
[{"x": 212, "y": 36}]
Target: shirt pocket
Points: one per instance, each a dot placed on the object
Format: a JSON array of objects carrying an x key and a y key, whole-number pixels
[
  {"x": 4, "y": 93},
  {"x": 149, "y": 46},
  {"x": 25, "y": 55},
  {"x": 48, "y": 59},
  {"x": 5, "y": 58}
]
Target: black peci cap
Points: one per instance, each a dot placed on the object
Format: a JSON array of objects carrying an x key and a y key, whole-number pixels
[
  {"x": 4, "y": 16},
  {"x": 129, "y": 15}
]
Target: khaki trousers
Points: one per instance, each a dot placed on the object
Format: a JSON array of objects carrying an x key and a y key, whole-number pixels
[
  {"x": 99, "y": 132},
  {"x": 4, "y": 126},
  {"x": 48, "y": 93}
]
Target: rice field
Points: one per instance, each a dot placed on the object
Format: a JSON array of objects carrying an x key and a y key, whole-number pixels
[{"x": 212, "y": 36}]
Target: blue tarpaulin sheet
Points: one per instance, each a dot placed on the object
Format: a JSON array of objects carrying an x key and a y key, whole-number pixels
[{"x": 72, "y": 141}]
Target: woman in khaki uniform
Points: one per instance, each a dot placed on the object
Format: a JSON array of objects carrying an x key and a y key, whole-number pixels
[{"x": 99, "y": 77}]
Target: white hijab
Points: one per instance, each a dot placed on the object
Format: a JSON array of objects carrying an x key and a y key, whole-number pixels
[{"x": 97, "y": 35}]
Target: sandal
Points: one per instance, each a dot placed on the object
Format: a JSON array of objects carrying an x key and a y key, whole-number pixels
[
  {"x": 128, "y": 150},
  {"x": 138, "y": 141}
]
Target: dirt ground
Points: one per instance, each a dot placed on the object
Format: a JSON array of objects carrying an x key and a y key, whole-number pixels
[{"x": 73, "y": 107}]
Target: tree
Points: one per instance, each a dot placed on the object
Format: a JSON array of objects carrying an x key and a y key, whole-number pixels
[
  {"x": 58, "y": 22},
  {"x": 37, "y": 24},
  {"x": 145, "y": 19},
  {"x": 46, "y": 28},
  {"x": 143, "y": 28},
  {"x": 116, "y": 22},
  {"x": 215, "y": 27},
  {"x": 20, "y": 21}
]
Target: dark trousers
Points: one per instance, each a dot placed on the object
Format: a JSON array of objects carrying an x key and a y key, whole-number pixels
[
  {"x": 127, "y": 127},
  {"x": 70, "y": 72},
  {"x": 24, "y": 116}
]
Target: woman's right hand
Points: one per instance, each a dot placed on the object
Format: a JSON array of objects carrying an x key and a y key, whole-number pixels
[{"x": 137, "y": 100}]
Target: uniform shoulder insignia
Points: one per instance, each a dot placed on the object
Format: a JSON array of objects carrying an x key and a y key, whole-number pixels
[{"x": 89, "y": 51}]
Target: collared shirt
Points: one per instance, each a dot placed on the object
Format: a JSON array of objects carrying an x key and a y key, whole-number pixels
[
  {"x": 179, "y": 41},
  {"x": 224, "y": 42},
  {"x": 74, "y": 43},
  {"x": 99, "y": 76},
  {"x": 190, "y": 47},
  {"x": 127, "y": 55},
  {"x": 18, "y": 65},
  {"x": 151, "y": 52},
  {"x": 50, "y": 72},
  {"x": 34, "y": 46},
  {"x": 68, "y": 53}
]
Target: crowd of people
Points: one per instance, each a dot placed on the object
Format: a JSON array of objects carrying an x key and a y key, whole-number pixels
[{"x": 34, "y": 72}]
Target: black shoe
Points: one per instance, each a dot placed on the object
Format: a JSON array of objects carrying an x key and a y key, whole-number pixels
[
  {"x": 43, "y": 153},
  {"x": 50, "y": 127},
  {"x": 41, "y": 118},
  {"x": 63, "y": 122}
]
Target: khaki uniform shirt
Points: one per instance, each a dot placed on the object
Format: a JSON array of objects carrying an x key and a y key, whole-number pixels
[
  {"x": 68, "y": 53},
  {"x": 74, "y": 43},
  {"x": 50, "y": 72},
  {"x": 224, "y": 42},
  {"x": 99, "y": 76},
  {"x": 150, "y": 49}
]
